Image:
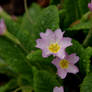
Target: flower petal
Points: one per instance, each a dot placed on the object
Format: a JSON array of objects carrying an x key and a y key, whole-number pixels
[
  {"x": 51, "y": 38},
  {"x": 72, "y": 69},
  {"x": 62, "y": 73},
  {"x": 65, "y": 42},
  {"x": 58, "y": 89},
  {"x": 47, "y": 34},
  {"x": 61, "y": 53},
  {"x": 42, "y": 43},
  {"x": 58, "y": 35},
  {"x": 72, "y": 58},
  {"x": 90, "y": 6},
  {"x": 45, "y": 53},
  {"x": 56, "y": 62},
  {"x": 2, "y": 27}
]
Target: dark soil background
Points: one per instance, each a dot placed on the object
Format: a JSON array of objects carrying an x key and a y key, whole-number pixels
[{"x": 16, "y": 7}]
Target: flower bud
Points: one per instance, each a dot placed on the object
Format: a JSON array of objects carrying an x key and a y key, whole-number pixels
[
  {"x": 2, "y": 27},
  {"x": 90, "y": 5}
]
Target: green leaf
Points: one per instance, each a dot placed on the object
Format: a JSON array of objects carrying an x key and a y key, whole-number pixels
[
  {"x": 44, "y": 81},
  {"x": 86, "y": 86},
  {"x": 14, "y": 57},
  {"x": 24, "y": 83},
  {"x": 81, "y": 25},
  {"x": 49, "y": 18},
  {"x": 38, "y": 61},
  {"x": 84, "y": 23},
  {"x": 11, "y": 85},
  {"x": 37, "y": 56},
  {"x": 14, "y": 29},
  {"x": 84, "y": 54},
  {"x": 41, "y": 20},
  {"x": 30, "y": 20},
  {"x": 72, "y": 12},
  {"x": 5, "y": 69},
  {"x": 85, "y": 60},
  {"x": 4, "y": 14},
  {"x": 28, "y": 29},
  {"x": 83, "y": 6},
  {"x": 12, "y": 26},
  {"x": 22, "y": 35},
  {"x": 27, "y": 90}
]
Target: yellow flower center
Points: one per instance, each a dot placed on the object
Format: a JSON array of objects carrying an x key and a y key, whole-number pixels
[
  {"x": 54, "y": 48},
  {"x": 64, "y": 64}
]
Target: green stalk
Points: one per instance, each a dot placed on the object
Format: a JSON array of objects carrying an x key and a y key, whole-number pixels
[
  {"x": 85, "y": 16},
  {"x": 23, "y": 87},
  {"x": 14, "y": 39},
  {"x": 88, "y": 37},
  {"x": 27, "y": 12}
]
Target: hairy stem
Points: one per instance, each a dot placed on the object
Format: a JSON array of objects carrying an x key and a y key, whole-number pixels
[{"x": 27, "y": 12}]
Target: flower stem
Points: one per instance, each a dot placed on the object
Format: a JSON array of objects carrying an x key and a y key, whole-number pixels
[
  {"x": 27, "y": 12},
  {"x": 88, "y": 37},
  {"x": 15, "y": 40},
  {"x": 18, "y": 89}
]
